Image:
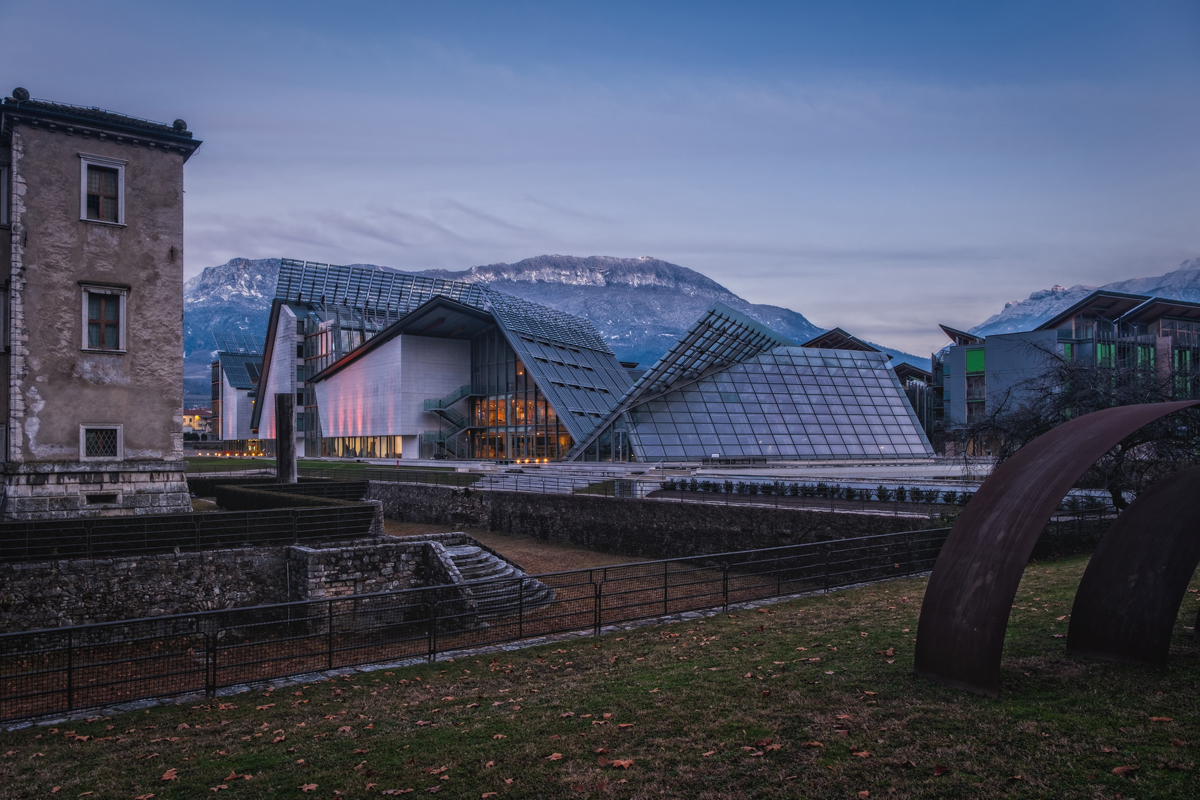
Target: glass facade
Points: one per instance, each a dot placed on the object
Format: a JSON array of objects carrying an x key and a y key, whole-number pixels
[
  {"x": 512, "y": 419},
  {"x": 361, "y": 447},
  {"x": 785, "y": 403}
]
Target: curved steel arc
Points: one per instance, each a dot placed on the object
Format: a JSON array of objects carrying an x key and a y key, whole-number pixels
[
  {"x": 970, "y": 593},
  {"x": 1129, "y": 597}
]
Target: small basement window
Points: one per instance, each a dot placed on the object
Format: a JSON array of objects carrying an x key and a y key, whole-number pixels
[
  {"x": 100, "y": 442},
  {"x": 105, "y": 499}
]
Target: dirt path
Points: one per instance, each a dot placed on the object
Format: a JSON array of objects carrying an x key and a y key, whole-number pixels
[{"x": 535, "y": 556}]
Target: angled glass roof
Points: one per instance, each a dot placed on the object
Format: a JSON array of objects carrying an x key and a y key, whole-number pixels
[
  {"x": 241, "y": 369},
  {"x": 719, "y": 338},
  {"x": 787, "y": 403},
  {"x": 522, "y": 316},
  {"x": 238, "y": 342},
  {"x": 367, "y": 287}
]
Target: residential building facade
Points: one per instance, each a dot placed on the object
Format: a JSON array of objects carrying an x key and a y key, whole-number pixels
[
  {"x": 982, "y": 376},
  {"x": 93, "y": 305}
]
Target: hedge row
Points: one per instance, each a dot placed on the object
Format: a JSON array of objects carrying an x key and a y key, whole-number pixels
[
  {"x": 900, "y": 494},
  {"x": 242, "y": 498}
]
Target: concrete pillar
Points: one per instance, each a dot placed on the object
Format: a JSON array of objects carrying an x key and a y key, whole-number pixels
[{"x": 285, "y": 437}]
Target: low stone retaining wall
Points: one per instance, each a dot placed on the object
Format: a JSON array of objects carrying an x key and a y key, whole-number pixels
[
  {"x": 644, "y": 528},
  {"x": 52, "y": 594},
  {"x": 656, "y": 529}
]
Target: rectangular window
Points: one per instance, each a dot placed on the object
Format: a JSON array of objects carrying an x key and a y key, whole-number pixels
[
  {"x": 100, "y": 442},
  {"x": 104, "y": 317},
  {"x": 102, "y": 193},
  {"x": 976, "y": 412},
  {"x": 976, "y": 388},
  {"x": 975, "y": 360},
  {"x": 104, "y": 321}
]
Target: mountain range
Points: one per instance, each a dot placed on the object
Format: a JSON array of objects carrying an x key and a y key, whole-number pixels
[
  {"x": 1024, "y": 315},
  {"x": 639, "y": 305}
]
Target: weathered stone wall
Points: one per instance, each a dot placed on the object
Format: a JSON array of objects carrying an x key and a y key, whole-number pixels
[
  {"x": 66, "y": 490},
  {"x": 82, "y": 591},
  {"x": 645, "y": 528},
  {"x": 363, "y": 569},
  {"x": 51, "y": 594},
  {"x": 56, "y": 383}
]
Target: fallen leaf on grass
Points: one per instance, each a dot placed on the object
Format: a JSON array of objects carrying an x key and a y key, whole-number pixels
[
  {"x": 486, "y": 795},
  {"x": 55, "y": 790},
  {"x": 218, "y": 788},
  {"x": 499, "y": 736},
  {"x": 864, "y": 794},
  {"x": 1123, "y": 771},
  {"x": 867, "y": 754},
  {"x": 625, "y": 725},
  {"x": 308, "y": 787},
  {"x": 622, "y": 763},
  {"x": 144, "y": 796},
  {"x": 709, "y": 753},
  {"x": 939, "y": 770},
  {"x": 264, "y": 708},
  {"x": 554, "y": 757},
  {"x": 1160, "y": 719},
  {"x": 169, "y": 775},
  {"x": 812, "y": 744},
  {"x": 1179, "y": 743},
  {"x": 771, "y": 747}
]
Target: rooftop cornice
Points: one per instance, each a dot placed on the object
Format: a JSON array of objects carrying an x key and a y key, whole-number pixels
[{"x": 94, "y": 122}]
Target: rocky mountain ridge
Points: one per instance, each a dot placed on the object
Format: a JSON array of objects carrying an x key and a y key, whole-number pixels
[
  {"x": 640, "y": 305},
  {"x": 1182, "y": 283}
]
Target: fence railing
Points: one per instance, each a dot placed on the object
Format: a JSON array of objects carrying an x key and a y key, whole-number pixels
[
  {"x": 62, "y": 670},
  {"x": 49, "y": 540}
]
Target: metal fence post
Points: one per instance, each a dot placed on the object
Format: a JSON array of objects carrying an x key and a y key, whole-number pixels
[
  {"x": 666, "y": 586},
  {"x": 329, "y": 634},
  {"x": 210, "y": 671},
  {"x": 828, "y": 556},
  {"x": 596, "y": 605},
  {"x": 520, "y": 608},
  {"x": 70, "y": 671},
  {"x": 432, "y": 631},
  {"x": 725, "y": 586}
]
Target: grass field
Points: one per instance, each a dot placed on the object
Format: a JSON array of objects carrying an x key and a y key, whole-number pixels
[{"x": 809, "y": 698}]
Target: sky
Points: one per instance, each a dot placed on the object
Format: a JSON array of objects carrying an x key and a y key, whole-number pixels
[{"x": 878, "y": 166}]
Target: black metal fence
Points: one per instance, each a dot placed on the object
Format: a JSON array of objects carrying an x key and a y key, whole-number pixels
[
  {"x": 55, "y": 671},
  {"x": 47, "y": 540}
]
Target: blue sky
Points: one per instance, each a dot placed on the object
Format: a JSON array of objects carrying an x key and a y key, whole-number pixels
[{"x": 879, "y": 166}]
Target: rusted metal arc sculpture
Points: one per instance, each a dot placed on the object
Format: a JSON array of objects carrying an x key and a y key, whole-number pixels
[
  {"x": 974, "y": 581},
  {"x": 1129, "y": 597}
]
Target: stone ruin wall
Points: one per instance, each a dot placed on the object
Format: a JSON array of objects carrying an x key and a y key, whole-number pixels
[{"x": 52, "y": 594}]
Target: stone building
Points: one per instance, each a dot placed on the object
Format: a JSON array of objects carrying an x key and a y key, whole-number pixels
[{"x": 93, "y": 304}]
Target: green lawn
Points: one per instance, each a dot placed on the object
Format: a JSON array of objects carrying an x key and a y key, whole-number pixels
[{"x": 810, "y": 698}]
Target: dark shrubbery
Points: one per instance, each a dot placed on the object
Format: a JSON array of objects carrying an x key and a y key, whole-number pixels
[{"x": 240, "y": 498}]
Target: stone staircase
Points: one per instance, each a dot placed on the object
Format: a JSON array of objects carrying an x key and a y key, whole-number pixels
[{"x": 512, "y": 591}]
